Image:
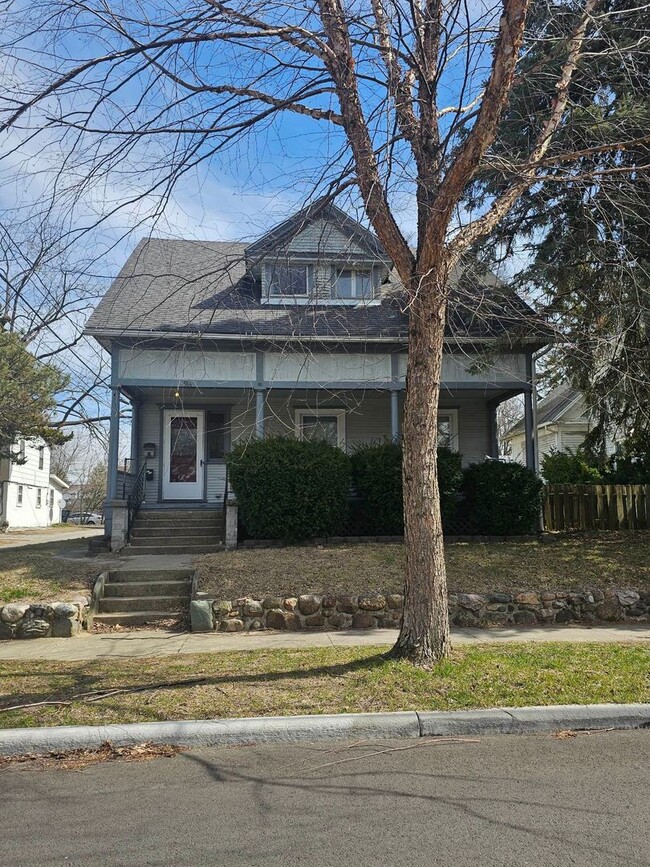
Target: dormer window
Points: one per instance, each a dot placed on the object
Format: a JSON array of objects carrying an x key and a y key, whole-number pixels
[
  {"x": 288, "y": 280},
  {"x": 353, "y": 284}
]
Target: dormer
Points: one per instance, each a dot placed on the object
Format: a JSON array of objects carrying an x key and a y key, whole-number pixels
[{"x": 319, "y": 256}]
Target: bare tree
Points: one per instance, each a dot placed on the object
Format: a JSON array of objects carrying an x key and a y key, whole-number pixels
[{"x": 410, "y": 98}]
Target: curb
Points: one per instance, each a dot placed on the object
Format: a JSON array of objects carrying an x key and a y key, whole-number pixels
[{"x": 263, "y": 730}]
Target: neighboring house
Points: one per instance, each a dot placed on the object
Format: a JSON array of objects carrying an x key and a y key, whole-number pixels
[
  {"x": 300, "y": 333},
  {"x": 562, "y": 424},
  {"x": 30, "y": 496}
]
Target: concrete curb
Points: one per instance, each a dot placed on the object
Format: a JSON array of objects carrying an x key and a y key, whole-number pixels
[{"x": 408, "y": 724}]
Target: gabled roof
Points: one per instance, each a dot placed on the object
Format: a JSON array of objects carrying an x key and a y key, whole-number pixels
[
  {"x": 552, "y": 408},
  {"x": 282, "y": 234}
]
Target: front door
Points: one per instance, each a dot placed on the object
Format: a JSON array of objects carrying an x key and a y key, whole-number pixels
[{"x": 183, "y": 440}]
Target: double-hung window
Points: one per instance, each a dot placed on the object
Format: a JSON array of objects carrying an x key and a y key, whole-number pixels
[
  {"x": 321, "y": 424},
  {"x": 353, "y": 284},
  {"x": 448, "y": 429},
  {"x": 41, "y": 457},
  {"x": 288, "y": 280},
  {"x": 19, "y": 495},
  {"x": 39, "y": 498}
]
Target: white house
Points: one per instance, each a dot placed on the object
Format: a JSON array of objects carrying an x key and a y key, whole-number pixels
[
  {"x": 30, "y": 496},
  {"x": 563, "y": 422}
]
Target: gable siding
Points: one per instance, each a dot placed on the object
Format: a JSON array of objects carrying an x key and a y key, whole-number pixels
[{"x": 324, "y": 238}]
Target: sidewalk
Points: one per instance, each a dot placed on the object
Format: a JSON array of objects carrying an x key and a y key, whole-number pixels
[
  {"x": 44, "y": 536},
  {"x": 159, "y": 642}
]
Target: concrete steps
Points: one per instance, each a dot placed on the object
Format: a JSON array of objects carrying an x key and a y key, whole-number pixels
[
  {"x": 177, "y": 531},
  {"x": 138, "y": 596}
]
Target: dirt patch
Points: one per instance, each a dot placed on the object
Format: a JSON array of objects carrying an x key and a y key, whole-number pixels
[
  {"x": 50, "y": 572},
  {"x": 615, "y": 560}
]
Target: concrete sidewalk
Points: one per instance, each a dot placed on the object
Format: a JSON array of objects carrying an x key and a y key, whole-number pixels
[
  {"x": 44, "y": 536},
  {"x": 160, "y": 642}
]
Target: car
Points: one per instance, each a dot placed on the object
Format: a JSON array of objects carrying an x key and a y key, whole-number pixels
[{"x": 88, "y": 518}]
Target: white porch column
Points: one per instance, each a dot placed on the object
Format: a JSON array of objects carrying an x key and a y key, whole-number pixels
[
  {"x": 135, "y": 435},
  {"x": 394, "y": 415},
  {"x": 113, "y": 443},
  {"x": 529, "y": 416},
  {"x": 260, "y": 396}
]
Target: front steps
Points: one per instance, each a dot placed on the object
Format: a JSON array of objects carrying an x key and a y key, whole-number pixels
[
  {"x": 137, "y": 597},
  {"x": 177, "y": 531}
]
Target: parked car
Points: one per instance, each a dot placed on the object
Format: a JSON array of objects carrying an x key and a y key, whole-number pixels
[{"x": 89, "y": 518}]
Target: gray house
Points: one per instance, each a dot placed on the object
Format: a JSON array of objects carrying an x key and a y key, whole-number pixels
[{"x": 302, "y": 333}]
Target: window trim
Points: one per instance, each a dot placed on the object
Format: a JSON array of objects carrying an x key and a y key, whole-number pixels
[
  {"x": 354, "y": 298},
  {"x": 39, "y": 498},
  {"x": 20, "y": 496},
  {"x": 303, "y": 411},
  {"x": 453, "y": 418},
  {"x": 41, "y": 457},
  {"x": 309, "y": 280}
]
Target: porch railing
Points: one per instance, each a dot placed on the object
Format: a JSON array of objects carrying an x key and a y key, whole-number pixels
[{"x": 136, "y": 498}]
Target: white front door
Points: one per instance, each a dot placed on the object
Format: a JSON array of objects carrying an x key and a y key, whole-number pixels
[{"x": 183, "y": 443}]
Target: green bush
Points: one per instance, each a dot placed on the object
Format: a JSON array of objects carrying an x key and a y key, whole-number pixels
[
  {"x": 502, "y": 498},
  {"x": 290, "y": 489},
  {"x": 569, "y": 468},
  {"x": 377, "y": 477},
  {"x": 628, "y": 470}
]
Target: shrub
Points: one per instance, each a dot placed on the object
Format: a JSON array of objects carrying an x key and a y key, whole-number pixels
[
  {"x": 377, "y": 477},
  {"x": 568, "y": 468},
  {"x": 290, "y": 489},
  {"x": 503, "y": 498}
]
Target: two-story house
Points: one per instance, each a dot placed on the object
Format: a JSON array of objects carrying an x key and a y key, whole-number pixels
[
  {"x": 302, "y": 333},
  {"x": 30, "y": 495}
]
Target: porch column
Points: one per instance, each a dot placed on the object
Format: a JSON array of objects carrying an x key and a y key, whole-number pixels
[
  {"x": 492, "y": 408},
  {"x": 394, "y": 415},
  {"x": 135, "y": 435},
  {"x": 113, "y": 443},
  {"x": 529, "y": 415},
  {"x": 260, "y": 395}
]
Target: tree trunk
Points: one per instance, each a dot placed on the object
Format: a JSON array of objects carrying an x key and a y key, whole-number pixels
[{"x": 424, "y": 633}]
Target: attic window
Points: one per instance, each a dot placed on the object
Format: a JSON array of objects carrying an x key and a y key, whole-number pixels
[
  {"x": 353, "y": 283},
  {"x": 288, "y": 280}
]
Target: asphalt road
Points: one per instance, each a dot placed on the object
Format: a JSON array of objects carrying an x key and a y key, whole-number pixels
[{"x": 508, "y": 801}]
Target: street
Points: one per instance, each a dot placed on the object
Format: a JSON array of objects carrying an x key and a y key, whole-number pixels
[{"x": 507, "y": 800}]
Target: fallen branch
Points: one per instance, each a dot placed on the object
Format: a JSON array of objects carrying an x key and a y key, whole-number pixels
[{"x": 98, "y": 694}]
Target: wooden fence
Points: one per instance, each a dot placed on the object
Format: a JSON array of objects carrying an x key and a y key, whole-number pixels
[{"x": 596, "y": 507}]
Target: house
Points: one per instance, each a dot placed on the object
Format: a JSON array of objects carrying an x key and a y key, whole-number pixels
[
  {"x": 30, "y": 496},
  {"x": 563, "y": 422},
  {"x": 300, "y": 333}
]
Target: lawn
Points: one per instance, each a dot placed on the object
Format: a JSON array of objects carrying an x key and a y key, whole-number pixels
[
  {"x": 37, "y": 572},
  {"x": 614, "y": 560},
  {"x": 321, "y": 680}
]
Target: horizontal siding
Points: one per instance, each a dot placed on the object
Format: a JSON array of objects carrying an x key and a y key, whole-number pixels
[
  {"x": 215, "y": 482},
  {"x": 150, "y": 433},
  {"x": 323, "y": 238}
]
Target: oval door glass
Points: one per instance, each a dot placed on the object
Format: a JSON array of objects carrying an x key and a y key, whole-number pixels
[{"x": 183, "y": 450}]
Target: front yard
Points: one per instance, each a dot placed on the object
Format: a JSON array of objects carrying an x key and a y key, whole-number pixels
[
  {"x": 615, "y": 560},
  {"x": 37, "y": 572},
  {"x": 318, "y": 681}
]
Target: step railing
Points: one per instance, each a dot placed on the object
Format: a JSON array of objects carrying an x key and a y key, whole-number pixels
[{"x": 135, "y": 499}]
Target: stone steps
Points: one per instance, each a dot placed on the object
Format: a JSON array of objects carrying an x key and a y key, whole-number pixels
[
  {"x": 135, "y": 618},
  {"x": 154, "y": 531},
  {"x": 117, "y": 604},
  {"x": 193, "y": 550},
  {"x": 149, "y": 576},
  {"x": 177, "y": 531},
  {"x": 130, "y": 589},
  {"x": 137, "y": 596}
]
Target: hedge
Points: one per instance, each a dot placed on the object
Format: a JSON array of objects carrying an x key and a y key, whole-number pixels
[
  {"x": 502, "y": 498},
  {"x": 377, "y": 478},
  {"x": 568, "y": 468},
  {"x": 290, "y": 489}
]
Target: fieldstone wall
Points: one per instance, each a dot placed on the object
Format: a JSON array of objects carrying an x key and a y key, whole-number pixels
[
  {"x": 43, "y": 619},
  {"x": 376, "y": 610}
]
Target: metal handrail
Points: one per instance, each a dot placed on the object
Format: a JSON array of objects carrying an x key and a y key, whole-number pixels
[{"x": 136, "y": 498}]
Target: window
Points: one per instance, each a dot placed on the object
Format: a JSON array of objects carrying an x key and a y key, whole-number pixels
[
  {"x": 321, "y": 424},
  {"x": 41, "y": 457},
  {"x": 448, "y": 428},
  {"x": 19, "y": 496},
  {"x": 288, "y": 280},
  {"x": 216, "y": 435},
  {"x": 39, "y": 498},
  {"x": 51, "y": 497},
  {"x": 21, "y": 451},
  {"x": 353, "y": 283}
]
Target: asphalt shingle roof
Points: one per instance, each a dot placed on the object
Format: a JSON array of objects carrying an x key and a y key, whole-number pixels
[
  {"x": 205, "y": 287},
  {"x": 551, "y": 408}
]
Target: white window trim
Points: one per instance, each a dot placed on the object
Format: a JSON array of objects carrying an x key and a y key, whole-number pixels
[
  {"x": 354, "y": 298},
  {"x": 39, "y": 498},
  {"x": 340, "y": 421},
  {"x": 303, "y": 298},
  {"x": 20, "y": 496},
  {"x": 453, "y": 418},
  {"x": 41, "y": 457}
]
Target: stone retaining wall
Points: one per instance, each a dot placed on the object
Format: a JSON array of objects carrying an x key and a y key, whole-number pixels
[
  {"x": 43, "y": 619},
  {"x": 370, "y": 611}
]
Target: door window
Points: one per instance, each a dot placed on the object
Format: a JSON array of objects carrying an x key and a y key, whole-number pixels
[{"x": 183, "y": 449}]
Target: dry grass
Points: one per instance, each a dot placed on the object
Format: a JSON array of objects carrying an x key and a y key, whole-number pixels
[
  {"x": 38, "y": 572},
  {"x": 614, "y": 560},
  {"x": 319, "y": 681},
  {"x": 77, "y": 760}
]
